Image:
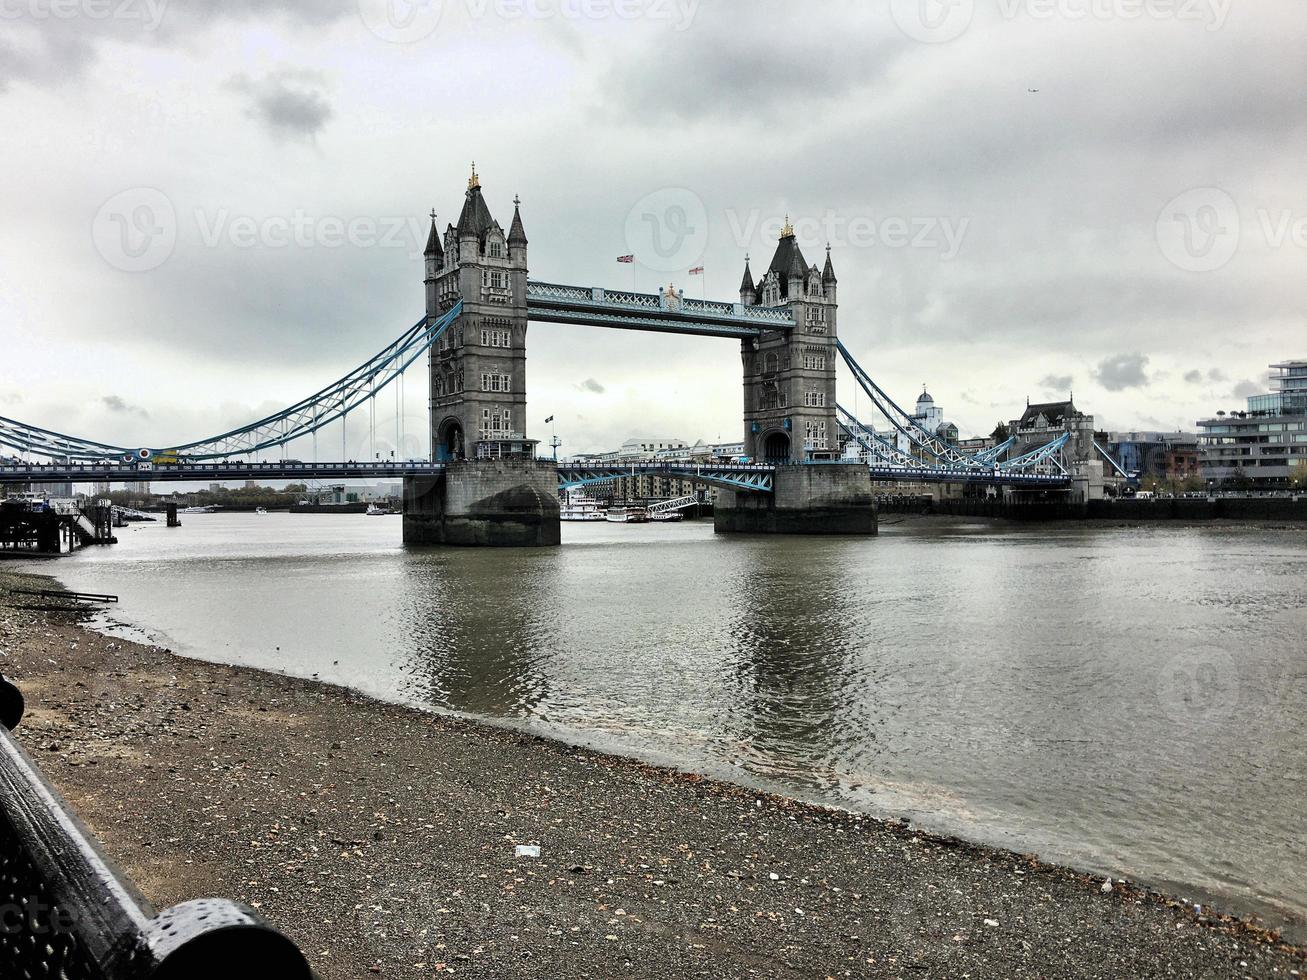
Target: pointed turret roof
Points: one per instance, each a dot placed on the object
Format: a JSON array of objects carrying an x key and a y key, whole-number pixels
[
  {"x": 433, "y": 240},
  {"x": 788, "y": 260},
  {"x": 828, "y": 275},
  {"x": 517, "y": 234},
  {"x": 746, "y": 284},
  {"x": 475, "y": 218}
]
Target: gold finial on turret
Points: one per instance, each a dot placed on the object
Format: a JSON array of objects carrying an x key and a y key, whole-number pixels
[
  {"x": 474, "y": 181},
  {"x": 788, "y": 230}
]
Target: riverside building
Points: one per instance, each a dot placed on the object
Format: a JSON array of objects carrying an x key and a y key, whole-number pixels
[{"x": 1265, "y": 446}]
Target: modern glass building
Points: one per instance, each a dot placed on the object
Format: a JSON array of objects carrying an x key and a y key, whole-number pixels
[{"x": 1264, "y": 447}]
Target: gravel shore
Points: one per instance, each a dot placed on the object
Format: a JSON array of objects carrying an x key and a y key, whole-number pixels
[{"x": 382, "y": 840}]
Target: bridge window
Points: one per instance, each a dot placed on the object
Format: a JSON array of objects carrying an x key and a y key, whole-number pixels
[
  {"x": 494, "y": 279},
  {"x": 814, "y": 399},
  {"x": 815, "y": 435},
  {"x": 496, "y": 423},
  {"x": 814, "y": 362},
  {"x": 771, "y": 363},
  {"x": 496, "y": 382},
  {"x": 817, "y": 319},
  {"x": 496, "y": 338},
  {"x": 496, "y": 250}
]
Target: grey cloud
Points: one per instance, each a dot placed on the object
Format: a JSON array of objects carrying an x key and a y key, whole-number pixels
[
  {"x": 1123, "y": 371},
  {"x": 115, "y": 403},
  {"x": 1216, "y": 374},
  {"x": 288, "y": 102},
  {"x": 713, "y": 71},
  {"x": 592, "y": 386},
  {"x": 47, "y": 50},
  {"x": 1057, "y": 382},
  {"x": 1245, "y": 388},
  {"x": 1194, "y": 377}
]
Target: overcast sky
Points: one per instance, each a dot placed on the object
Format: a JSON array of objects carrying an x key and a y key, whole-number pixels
[{"x": 210, "y": 209}]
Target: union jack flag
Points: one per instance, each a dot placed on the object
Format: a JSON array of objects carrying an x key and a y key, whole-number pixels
[
  {"x": 626, "y": 258},
  {"x": 697, "y": 270}
]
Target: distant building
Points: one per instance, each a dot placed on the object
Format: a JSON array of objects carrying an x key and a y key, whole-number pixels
[
  {"x": 928, "y": 416},
  {"x": 1041, "y": 423},
  {"x": 659, "y": 486},
  {"x": 1159, "y": 455},
  {"x": 1264, "y": 447}
]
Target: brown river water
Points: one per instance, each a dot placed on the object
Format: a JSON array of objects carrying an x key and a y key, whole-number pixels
[{"x": 1130, "y": 700}]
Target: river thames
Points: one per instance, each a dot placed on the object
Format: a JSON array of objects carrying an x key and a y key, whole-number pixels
[{"x": 1127, "y": 700}]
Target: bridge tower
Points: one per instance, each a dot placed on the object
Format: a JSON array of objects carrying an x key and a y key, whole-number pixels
[
  {"x": 493, "y": 491},
  {"x": 478, "y": 368},
  {"x": 789, "y": 410},
  {"x": 789, "y": 376}
]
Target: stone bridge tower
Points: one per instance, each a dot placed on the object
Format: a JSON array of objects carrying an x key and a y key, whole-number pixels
[
  {"x": 789, "y": 376},
  {"x": 478, "y": 367},
  {"x": 492, "y": 491}
]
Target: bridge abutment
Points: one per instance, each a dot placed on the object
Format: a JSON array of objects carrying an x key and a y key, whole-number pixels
[
  {"x": 825, "y": 498},
  {"x": 504, "y": 503}
]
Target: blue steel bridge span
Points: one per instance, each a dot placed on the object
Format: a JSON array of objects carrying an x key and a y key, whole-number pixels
[{"x": 925, "y": 459}]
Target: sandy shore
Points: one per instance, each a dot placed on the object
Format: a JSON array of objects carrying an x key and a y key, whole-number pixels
[{"x": 382, "y": 840}]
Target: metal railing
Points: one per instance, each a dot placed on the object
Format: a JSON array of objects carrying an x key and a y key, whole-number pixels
[{"x": 66, "y": 913}]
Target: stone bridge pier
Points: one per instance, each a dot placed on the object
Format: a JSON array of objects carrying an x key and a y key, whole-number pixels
[
  {"x": 489, "y": 503},
  {"x": 830, "y": 498}
]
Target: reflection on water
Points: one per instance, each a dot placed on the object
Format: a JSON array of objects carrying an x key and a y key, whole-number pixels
[{"x": 1121, "y": 699}]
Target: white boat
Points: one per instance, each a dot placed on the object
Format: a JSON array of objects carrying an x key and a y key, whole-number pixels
[
  {"x": 260, "y": 510},
  {"x": 667, "y": 516},
  {"x": 627, "y": 515},
  {"x": 576, "y": 506},
  {"x": 375, "y": 511},
  {"x": 207, "y": 509}
]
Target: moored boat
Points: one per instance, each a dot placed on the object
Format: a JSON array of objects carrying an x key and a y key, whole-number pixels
[
  {"x": 627, "y": 515},
  {"x": 577, "y": 506}
]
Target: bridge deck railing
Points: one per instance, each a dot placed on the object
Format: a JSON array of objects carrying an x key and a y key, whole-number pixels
[
  {"x": 69, "y": 914},
  {"x": 616, "y": 300}
]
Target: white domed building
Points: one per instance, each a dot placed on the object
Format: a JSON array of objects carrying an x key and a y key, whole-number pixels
[{"x": 928, "y": 415}]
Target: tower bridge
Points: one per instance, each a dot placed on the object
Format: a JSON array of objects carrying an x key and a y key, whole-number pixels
[{"x": 483, "y": 483}]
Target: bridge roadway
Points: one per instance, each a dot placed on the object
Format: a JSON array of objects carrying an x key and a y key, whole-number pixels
[{"x": 756, "y": 478}]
